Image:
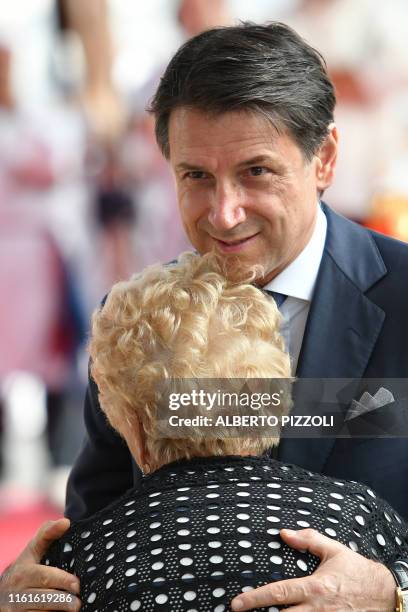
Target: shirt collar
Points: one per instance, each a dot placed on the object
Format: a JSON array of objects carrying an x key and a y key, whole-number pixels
[{"x": 299, "y": 278}]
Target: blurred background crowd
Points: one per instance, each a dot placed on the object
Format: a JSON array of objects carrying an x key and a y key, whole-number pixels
[{"x": 86, "y": 199}]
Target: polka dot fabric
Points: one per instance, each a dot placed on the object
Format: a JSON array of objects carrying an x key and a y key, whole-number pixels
[{"x": 196, "y": 533}]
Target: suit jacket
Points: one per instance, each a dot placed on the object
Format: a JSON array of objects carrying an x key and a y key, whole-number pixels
[{"x": 357, "y": 328}]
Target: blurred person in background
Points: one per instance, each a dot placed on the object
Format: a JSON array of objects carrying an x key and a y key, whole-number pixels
[
  {"x": 105, "y": 118},
  {"x": 115, "y": 212},
  {"x": 41, "y": 317}
]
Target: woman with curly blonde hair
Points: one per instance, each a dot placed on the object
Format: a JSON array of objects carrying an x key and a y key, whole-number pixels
[
  {"x": 205, "y": 522},
  {"x": 182, "y": 322}
]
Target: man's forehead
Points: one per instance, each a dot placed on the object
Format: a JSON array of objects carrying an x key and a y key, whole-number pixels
[
  {"x": 243, "y": 135},
  {"x": 235, "y": 124}
]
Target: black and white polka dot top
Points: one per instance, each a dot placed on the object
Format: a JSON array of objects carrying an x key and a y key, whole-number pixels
[{"x": 196, "y": 533}]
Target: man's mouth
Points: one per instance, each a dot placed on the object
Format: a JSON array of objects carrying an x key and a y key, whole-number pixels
[{"x": 234, "y": 245}]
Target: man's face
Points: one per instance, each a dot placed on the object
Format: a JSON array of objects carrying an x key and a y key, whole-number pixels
[{"x": 244, "y": 190}]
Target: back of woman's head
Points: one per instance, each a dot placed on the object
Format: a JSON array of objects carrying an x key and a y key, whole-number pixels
[{"x": 187, "y": 320}]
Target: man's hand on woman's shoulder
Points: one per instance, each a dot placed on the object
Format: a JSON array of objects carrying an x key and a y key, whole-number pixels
[
  {"x": 27, "y": 574},
  {"x": 344, "y": 580}
]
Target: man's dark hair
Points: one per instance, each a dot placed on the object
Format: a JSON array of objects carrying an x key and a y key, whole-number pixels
[{"x": 266, "y": 69}]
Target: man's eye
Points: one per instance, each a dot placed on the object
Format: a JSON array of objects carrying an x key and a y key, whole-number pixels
[
  {"x": 257, "y": 170},
  {"x": 196, "y": 174}
]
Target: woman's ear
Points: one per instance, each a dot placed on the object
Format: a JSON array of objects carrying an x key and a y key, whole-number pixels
[
  {"x": 326, "y": 159},
  {"x": 134, "y": 435}
]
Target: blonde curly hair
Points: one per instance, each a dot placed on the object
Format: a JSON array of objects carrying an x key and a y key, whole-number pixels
[{"x": 185, "y": 320}]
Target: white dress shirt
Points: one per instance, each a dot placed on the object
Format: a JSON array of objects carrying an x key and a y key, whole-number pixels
[{"x": 297, "y": 281}]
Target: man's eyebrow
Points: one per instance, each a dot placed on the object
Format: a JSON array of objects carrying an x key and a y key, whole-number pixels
[
  {"x": 253, "y": 161},
  {"x": 185, "y": 166},
  {"x": 259, "y": 159}
]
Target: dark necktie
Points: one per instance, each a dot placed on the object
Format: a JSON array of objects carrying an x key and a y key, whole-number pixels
[{"x": 278, "y": 297}]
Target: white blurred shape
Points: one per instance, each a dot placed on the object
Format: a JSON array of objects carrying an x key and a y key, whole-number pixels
[
  {"x": 24, "y": 395},
  {"x": 25, "y": 456}
]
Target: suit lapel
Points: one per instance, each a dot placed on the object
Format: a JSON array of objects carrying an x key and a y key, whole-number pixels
[{"x": 343, "y": 324}]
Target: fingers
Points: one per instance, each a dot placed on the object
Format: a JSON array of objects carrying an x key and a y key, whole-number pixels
[
  {"x": 294, "y": 591},
  {"x": 343, "y": 580},
  {"x": 311, "y": 540},
  {"x": 45, "y": 536},
  {"x": 47, "y": 577},
  {"x": 277, "y": 593},
  {"x": 23, "y": 576},
  {"x": 27, "y": 573}
]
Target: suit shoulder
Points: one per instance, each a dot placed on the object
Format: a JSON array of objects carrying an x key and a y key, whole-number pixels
[
  {"x": 394, "y": 252},
  {"x": 387, "y": 242}
]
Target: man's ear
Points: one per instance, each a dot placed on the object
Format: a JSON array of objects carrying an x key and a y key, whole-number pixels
[{"x": 326, "y": 159}]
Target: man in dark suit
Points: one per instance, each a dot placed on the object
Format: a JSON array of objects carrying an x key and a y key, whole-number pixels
[
  {"x": 245, "y": 117},
  {"x": 359, "y": 301}
]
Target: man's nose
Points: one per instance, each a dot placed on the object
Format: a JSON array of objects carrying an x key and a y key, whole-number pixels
[{"x": 227, "y": 209}]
